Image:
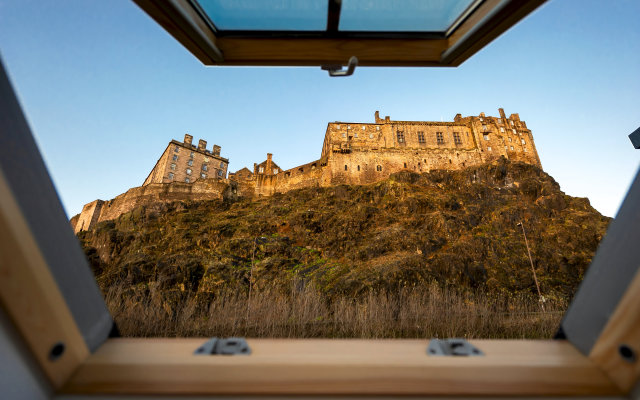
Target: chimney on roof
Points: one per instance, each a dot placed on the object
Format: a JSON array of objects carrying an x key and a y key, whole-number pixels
[
  {"x": 515, "y": 117},
  {"x": 482, "y": 114},
  {"x": 387, "y": 119},
  {"x": 188, "y": 139},
  {"x": 502, "y": 115},
  {"x": 457, "y": 118},
  {"x": 377, "y": 116},
  {"x": 269, "y": 163},
  {"x": 216, "y": 150},
  {"x": 202, "y": 144}
]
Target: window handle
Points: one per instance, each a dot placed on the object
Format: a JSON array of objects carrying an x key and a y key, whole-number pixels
[{"x": 336, "y": 70}]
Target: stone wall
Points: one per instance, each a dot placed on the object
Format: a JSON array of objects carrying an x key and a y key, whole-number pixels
[
  {"x": 88, "y": 217},
  {"x": 203, "y": 189}
]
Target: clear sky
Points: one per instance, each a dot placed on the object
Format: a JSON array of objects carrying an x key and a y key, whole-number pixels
[{"x": 105, "y": 88}]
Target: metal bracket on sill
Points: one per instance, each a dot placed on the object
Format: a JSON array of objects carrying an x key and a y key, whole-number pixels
[
  {"x": 336, "y": 70},
  {"x": 452, "y": 347},
  {"x": 228, "y": 346}
]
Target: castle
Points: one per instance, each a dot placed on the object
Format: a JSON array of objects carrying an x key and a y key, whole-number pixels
[{"x": 352, "y": 153}]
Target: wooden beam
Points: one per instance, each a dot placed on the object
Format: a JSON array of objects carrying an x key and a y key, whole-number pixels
[
  {"x": 30, "y": 296},
  {"x": 313, "y": 52},
  {"x": 622, "y": 329},
  {"x": 338, "y": 367}
]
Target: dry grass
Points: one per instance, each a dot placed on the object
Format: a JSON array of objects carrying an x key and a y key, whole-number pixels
[{"x": 306, "y": 313}]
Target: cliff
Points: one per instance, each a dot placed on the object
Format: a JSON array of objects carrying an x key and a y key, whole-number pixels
[{"x": 456, "y": 229}]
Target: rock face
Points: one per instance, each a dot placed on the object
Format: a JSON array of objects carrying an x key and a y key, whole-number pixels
[{"x": 456, "y": 229}]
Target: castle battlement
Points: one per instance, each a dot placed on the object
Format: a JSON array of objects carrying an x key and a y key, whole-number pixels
[
  {"x": 353, "y": 153},
  {"x": 365, "y": 152}
]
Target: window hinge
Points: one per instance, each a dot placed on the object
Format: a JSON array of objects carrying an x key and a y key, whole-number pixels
[
  {"x": 226, "y": 346},
  {"x": 452, "y": 347}
]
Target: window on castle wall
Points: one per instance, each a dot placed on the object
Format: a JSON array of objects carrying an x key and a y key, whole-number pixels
[
  {"x": 439, "y": 138},
  {"x": 485, "y": 137},
  {"x": 192, "y": 154},
  {"x": 222, "y": 165},
  {"x": 219, "y": 172},
  {"x": 522, "y": 141},
  {"x": 190, "y": 163},
  {"x": 205, "y": 167},
  {"x": 484, "y": 127},
  {"x": 510, "y": 139},
  {"x": 514, "y": 131},
  {"x": 405, "y": 165},
  {"x": 358, "y": 168},
  {"x": 377, "y": 128},
  {"x": 511, "y": 123},
  {"x": 501, "y": 129},
  {"x": 525, "y": 149},
  {"x": 176, "y": 149},
  {"x": 187, "y": 180},
  {"x": 175, "y": 157},
  {"x": 171, "y": 175},
  {"x": 456, "y": 138},
  {"x": 488, "y": 148},
  {"x": 511, "y": 147},
  {"x": 481, "y": 119},
  {"x": 188, "y": 171},
  {"x": 261, "y": 170},
  {"x": 400, "y": 135},
  {"x": 345, "y": 167},
  {"x": 173, "y": 166},
  {"x": 344, "y": 134},
  {"x": 206, "y": 159},
  {"x": 371, "y": 136},
  {"x": 378, "y": 167},
  {"x": 203, "y": 176},
  {"x": 421, "y": 139},
  {"x": 275, "y": 171},
  {"x": 364, "y": 127},
  {"x": 337, "y": 126},
  {"x": 355, "y": 135}
]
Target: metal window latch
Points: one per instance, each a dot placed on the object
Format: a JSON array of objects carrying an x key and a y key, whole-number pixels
[
  {"x": 452, "y": 347},
  {"x": 336, "y": 70},
  {"x": 228, "y": 346}
]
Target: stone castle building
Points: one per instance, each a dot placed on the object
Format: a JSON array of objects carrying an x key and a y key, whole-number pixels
[
  {"x": 184, "y": 162},
  {"x": 352, "y": 153},
  {"x": 361, "y": 153}
]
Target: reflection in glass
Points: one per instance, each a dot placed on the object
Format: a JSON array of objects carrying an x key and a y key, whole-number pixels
[
  {"x": 276, "y": 15},
  {"x": 400, "y": 15}
]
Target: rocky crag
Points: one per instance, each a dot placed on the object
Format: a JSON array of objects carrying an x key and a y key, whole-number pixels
[{"x": 454, "y": 229}]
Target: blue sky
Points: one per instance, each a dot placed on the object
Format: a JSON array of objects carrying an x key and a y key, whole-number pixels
[{"x": 105, "y": 88}]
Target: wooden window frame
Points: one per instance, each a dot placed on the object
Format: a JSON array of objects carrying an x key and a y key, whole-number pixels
[
  {"x": 484, "y": 21},
  {"x": 586, "y": 363}
]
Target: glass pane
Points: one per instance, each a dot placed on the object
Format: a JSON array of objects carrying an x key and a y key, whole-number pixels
[
  {"x": 271, "y": 15},
  {"x": 400, "y": 15}
]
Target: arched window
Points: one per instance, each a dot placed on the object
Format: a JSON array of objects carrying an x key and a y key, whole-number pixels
[
  {"x": 358, "y": 168},
  {"x": 345, "y": 167}
]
